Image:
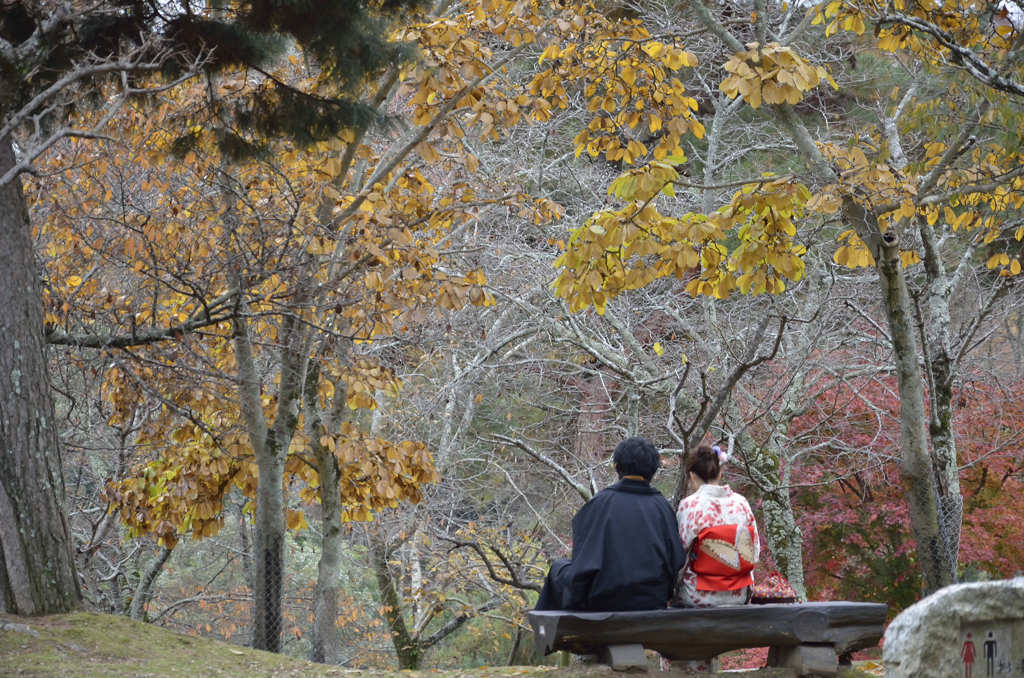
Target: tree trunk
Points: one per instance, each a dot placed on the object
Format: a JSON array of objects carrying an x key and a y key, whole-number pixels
[
  {"x": 918, "y": 484},
  {"x": 783, "y": 534},
  {"x": 325, "y": 629},
  {"x": 946, "y": 467},
  {"x": 268, "y": 552},
  {"x": 515, "y": 647},
  {"x": 37, "y": 566},
  {"x": 144, "y": 591},
  {"x": 771, "y": 471},
  {"x": 324, "y": 642},
  {"x": 116, "y": 598},
  {"x": 268, "y": 549},
  {"x": 594, "y": 406},
  {"x": 243, "y": 536},
  {"x": 942, "y": 369},
  {"x": 408, "y": 649}
]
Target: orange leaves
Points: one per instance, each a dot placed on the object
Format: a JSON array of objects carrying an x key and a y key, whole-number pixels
[
  {"x": 457, "y": 55},
  {"x": 909, "y": 258},
  {"x": 672, "y": 56},
  {"x": 182, "y": 490},
  {"x": 626, "y": 78},
  {"x": 892, "y": 196},
  {"x": 363, "y": 377},
  {"x": 287, "y": 231},
  {"x": 774, "y": 74},
  {"x": 428, "y": 153},
  {"x": 824, "y": 203},
  {"x": 454, "y": 292},
  {"x": 643, "y": 184},
  {"x": 763, "y": 216},
  {"x": 374, "y": 280},
  {"x": 611, "y": 251},
  {"x": 839, "y": 15},
  {"x": 332, "y": 167}
]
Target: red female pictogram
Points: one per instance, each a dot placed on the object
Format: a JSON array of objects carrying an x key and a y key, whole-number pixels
[{"x": 967, "y": 654}]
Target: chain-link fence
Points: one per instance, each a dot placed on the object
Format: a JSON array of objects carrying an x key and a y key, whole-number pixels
[
  {"x": 947, "y": 510},
  {"x": 412, "y": 589}
]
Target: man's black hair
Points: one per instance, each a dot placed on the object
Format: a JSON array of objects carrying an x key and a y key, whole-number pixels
[{"x": 636, "y": 457}]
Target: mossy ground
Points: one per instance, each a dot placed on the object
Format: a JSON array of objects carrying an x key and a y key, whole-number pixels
[{"x": 87, "y": 645}]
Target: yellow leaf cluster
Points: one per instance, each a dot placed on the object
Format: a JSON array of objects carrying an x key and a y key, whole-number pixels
[
  {"x": 854, "y": 254},
  {"x": 869, "y": 182},
  {"x": 627, "y": 79},
  {"x": 872, "y": 183},
  {"x": 377, "y": 473},
  {"x": 774, "y": 74},
  {"x": 982, "y": 26},
  {"x": 628, "y": 248},
  {"x": 109, "y": 258},
  {"x": 1007, "y": 267}
]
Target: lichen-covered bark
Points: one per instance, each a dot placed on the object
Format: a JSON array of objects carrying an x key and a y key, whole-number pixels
[
  {"x": 784, "y": 538},
  {"x": 324, "y": 646},
  {"x": 942, "y": 368},
  {"x": 324, "y": 642},
  {"x": 37, "y": 568},
  {"x": 765, "y": 465},
  {"x": 918, "y": 484},
  {"x": 268, "y": 547}
]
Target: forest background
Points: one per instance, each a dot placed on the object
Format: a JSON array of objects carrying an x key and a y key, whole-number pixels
[{"x": 339, "y": 341}]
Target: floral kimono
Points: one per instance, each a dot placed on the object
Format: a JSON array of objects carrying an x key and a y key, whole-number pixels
[
  {"x": 717, "y": 526},
  {"x": 717, "y": 529}
]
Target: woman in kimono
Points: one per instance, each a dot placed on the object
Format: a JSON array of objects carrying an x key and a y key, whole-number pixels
[{"x": 718, "y": 531}]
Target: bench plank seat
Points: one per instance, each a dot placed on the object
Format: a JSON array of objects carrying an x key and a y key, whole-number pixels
[{"x": 683, "y": 634}]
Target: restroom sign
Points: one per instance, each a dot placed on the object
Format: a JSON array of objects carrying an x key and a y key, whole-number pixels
[{"x": 992, "y": 649}]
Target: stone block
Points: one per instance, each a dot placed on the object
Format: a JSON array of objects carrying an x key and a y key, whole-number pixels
[
  {"x": 962, "y": 631},
  {"x": 629, "y": 658},
  {"x": 18, "y": 628},
  {"x": 807, "y": 660}
]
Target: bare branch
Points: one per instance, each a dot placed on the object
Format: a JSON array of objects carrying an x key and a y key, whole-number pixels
[{"x": 582, "y": 489}]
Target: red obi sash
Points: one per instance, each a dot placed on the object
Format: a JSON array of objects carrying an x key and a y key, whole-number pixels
[{"x": 725, "y": 558}]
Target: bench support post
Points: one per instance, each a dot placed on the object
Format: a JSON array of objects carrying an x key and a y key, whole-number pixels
[
  {"x": 807, "y": 660},
  {"x": 630, "y": 658}
]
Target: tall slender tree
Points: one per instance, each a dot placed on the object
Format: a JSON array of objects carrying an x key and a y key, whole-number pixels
[{"x": 58, "y": 57}]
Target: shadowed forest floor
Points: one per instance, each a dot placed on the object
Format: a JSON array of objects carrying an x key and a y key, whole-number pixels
[{"x": 87, "y": 645}]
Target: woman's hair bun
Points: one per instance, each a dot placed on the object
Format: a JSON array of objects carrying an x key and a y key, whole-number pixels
[{"x": 705, "y": 462}]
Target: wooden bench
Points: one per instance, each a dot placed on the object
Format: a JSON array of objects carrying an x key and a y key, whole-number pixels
[{"x": 807, "y": 637}]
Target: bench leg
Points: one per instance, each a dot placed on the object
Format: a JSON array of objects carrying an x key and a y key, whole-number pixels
[
  {"x": 806, "y": 660},
  {"x": 630, "y": 658}
]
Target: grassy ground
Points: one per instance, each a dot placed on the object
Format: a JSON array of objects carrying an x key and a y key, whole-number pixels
[{"x": 89, "y": 645}]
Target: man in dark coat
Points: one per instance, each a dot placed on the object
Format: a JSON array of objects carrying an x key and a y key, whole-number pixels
[{"x": 626, "y": 550}]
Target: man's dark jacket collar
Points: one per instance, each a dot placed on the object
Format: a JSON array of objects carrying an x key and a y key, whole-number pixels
[{"x": 633, "y": 487}]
